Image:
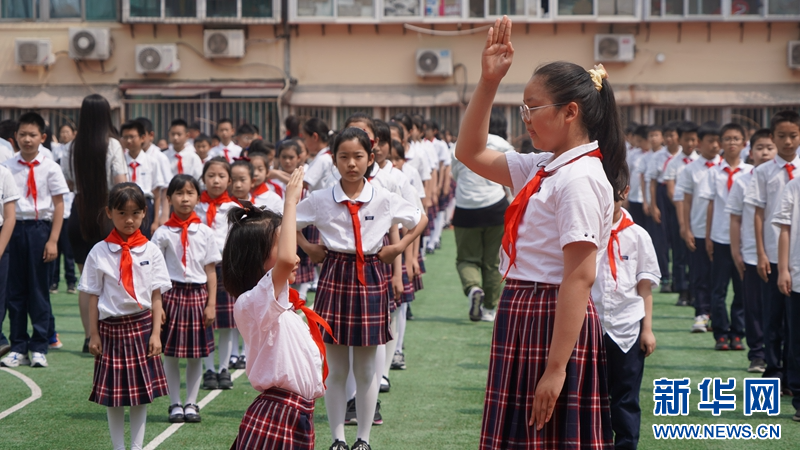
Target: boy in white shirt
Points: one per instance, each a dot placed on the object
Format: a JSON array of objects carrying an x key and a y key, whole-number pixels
[
  {"x": 693, "y": 226},
  {"x": 9, "y": 194},
  {"x": 687, "y": 138},
  {"x": 656, "y": 195},
  {"x": 743, "y": 249},
  {"x": 786, "y": 217},
  {"x": 764, "y": 193},
  {"x": 34, "y": 244},
  {"x": 728, "y": 334},
  {"x": 636, "y": 197},
  {"x": 622, "y": 294},
  {"x": 226, "y": 147},
  {"x": 162, "y": 162},
  {"x": 143, "y": 171},
  {"x": 182, "y": 157}
]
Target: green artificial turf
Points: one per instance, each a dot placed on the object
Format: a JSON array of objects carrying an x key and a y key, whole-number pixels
[{"x": 437, "y": 403}]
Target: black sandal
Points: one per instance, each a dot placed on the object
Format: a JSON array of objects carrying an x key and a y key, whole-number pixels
[
  {"x": 176, "y": 418},
  {"x": 191, "y": 418}
]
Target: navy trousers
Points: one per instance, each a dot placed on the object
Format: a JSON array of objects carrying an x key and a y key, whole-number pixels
[
  {"x": 680, "y": 253},
  {"x": 3, "y": 289},
  {"x": 28, "y": 287},
  {"x": 660, "y": 233},
  {"x": 637, "y": 213},
  {"x": 753, "y": 309},
  {"x": 723, "y": 272},
  {"x": 149, "y": 217},
  {"x": 65, "y": 251},
  {"x": 700, "y": 277},
  {"x": 774, "y": 319},
  {"x": 793, "y": 341},
  {"x": 625, "y": 372}
]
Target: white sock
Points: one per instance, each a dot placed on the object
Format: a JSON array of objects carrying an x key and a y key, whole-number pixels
[
  {"x": 234, "y": 342},
  {"x": 380, "y": 360},
  {"x": 225, "y": 348},
  {"x": 438, "y": 226},
  {"x": 401, "y": 325},
  {"x": 338, "y": 357},
  {"x": 315, "y": 283},
  {"x": 391, "y": 346},
  {"x": 173, "y": 379},
  {"x": 303, "y": 290},
  {"x": 194, "y": 373},
  {"x": 451, "y": 208},
  {"x": 425, "y": 240},
  {"x": 209, "y": 362},
  {"x": 244, "y": 348},
  {"x": 138, "y": 420},
  {"x": 367, "y": 392},
  {"x": 350, "y": 387},
  {"x": 116, "y": 426}
]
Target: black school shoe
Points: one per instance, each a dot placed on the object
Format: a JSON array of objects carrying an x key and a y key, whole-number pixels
[
  {"x": 350, "y": 417},
  {"x": 339, "y": 445},
  {"x": 224, "y": 380},
  {"x": 191, "y": 417},
  {"x": 361, "y": 445},
  {"x": 241, "y": 363},
  {"x": 177, "y": 417},
  {"x": 683, "y": 299},
  {"x": 210, "y": 381}
]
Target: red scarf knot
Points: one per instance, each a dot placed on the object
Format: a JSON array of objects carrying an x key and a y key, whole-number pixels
[
  {"x": 32, "y": 193},
  {"x": 213, "y": 204},
  {"x": 612, "y": 260},
  {"x": 175, "y": 222},
  {"x": 353, "y": 209},
  {"x": 135, "y": 240}
]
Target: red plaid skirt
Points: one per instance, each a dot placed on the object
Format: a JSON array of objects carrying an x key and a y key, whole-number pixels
[
  {"x": 305, "y": 271},
  {"x": 417, "y": 280},
  {"x": 123, "y": 374},
  {"x": 432, "y": 210},
  {"x": 225, "y": 304},
  {"x": 358, "y": 315},
  {"x": 520, "y": 344},
  {"x": 312, "y": 234},
  {"x": 183, "y": 335},
  {"x": 408, "y": 287},
  {"x": 277, "y": 420}
]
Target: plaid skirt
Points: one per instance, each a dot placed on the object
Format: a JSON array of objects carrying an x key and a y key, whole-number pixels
[
  {"x": 277, "y": 420},
  {"x": 225, "y": 304},
  {"x": 312, "y": 234},
  {"x": 358, "y": 315},
  {"x": 417, "y": 280},
  {"x": 408, "y": 287},
  {"x": 520, "y": 344},
  {"x": 184, "y": 334},
  {"x": 432, "y": 210},
  {"x": 445, "y": 200},
  {"x": 123, "y": 374}
]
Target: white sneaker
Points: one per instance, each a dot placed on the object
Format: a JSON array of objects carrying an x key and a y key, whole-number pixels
[
  {"x": 488, "y": 315},
  {"x": 38, "y": 360},
  {"x": 15, "y": 359},
  {"x": 475, "y": 299},
  {"x": 700, "y": 324}
]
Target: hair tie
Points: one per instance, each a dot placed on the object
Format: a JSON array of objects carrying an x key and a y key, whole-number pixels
[
  {"x": 330, "y": 132},
  {"x": 598, "y": 74},
  {"x": 241, "y": 158}
]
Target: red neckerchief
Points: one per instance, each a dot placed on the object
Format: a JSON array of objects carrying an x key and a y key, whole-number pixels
[
  {"x": 516, "y": 211},
  {"x": 137, "y": 239},
  {"x": 353, "y": 209},
  {"x": 314, "y": 322},
  {"x": 31, "y": 184},
  {"x": 731, "y": 173},
  {"x": 175, "y": 222},
  {"x": 213, "y": 204},
  {"x": 612, "y": 260}
]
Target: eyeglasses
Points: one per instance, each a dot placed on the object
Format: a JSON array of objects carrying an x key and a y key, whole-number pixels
[
  {"x": 733, "y": 140},
  {"x": 525, "y": 111}
]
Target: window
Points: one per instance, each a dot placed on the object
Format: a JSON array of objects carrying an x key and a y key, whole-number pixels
[
  {"x": 403, "y": 8},
  {"x": 506, "y": 7},
  {"x": 65, "y": 9},
  {"x": 145, "y": 8},
  {"x": 616, "y": 7},
  {"x": 17, "y": 9},
  {"x": 92, "y": 10},
  {"x": 663, "y": 116},
  {"x": 448, "y": 117},
  {"x": 180, "y": 8},
  {"x": 705, "y": 7},
  {"x": 445, "y": 8},
  {"x": 703, "y": 115},
  {"x": 220, "y": 8},
  {"x": 189, "y": 11},
  {"x": 783, "y": 7},
  {"x": 324, "y": 113},
  {"x": 312, "y": 8},
  {"x": 355, "y": 8},
  {"x": 257, "y": 8},
  {"x": 575, "y": 8}
]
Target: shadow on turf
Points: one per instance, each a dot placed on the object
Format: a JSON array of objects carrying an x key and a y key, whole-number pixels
[
  {"x": 94, "y": 416},
  {"x": 473, "y": 366},
  {"x": 471, "y": 411}
]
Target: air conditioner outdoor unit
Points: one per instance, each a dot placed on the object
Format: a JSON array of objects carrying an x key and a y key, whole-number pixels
[
  {"x": 794, "y": 55},
  {"x": 223, "y": 43},
  {"x": 432, "y": 62},
  {"x": 89, "y": 43},
  {"x": 33, "y": 52},
  {"x": 614, "y": 47},
  {"x": 157, "y": 58}
]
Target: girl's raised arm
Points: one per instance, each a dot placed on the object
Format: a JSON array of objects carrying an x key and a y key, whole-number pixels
[
  {"x": 287, "y": 242},
  {"x": 471, "y": 146}
]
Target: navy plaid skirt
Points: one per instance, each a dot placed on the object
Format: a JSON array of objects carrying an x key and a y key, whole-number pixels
[
  {"x": 432, "y": 210},
  {"x": 312, "y": 234},
  {"x": 520, "y": 344},
  {"x": 123, "y": 374},
  {"x": 445, "y": 200},
  {"x": 417, "y": 280},
  {"x": 408, "y": 287},
  {"x": 184, "y": 334},
  {"x": 358, "y": 315},
  {"x": 225, "y": 304},
  {"x": 277, "y": 420}
]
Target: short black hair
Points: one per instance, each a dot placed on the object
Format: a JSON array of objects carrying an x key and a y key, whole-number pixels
[
  {"x": 631, "y": 128},
  {"x": 260, "y": 146},
  {"x": 179, "y": 123},
  {"x": 133, "y": 125},
  {"x": 709, "y": 128},
  {"x": 289, "y": 144},
  {"x": 760, "y": 134},
  {"x": 180, "y": 181},
  {"x": 246, "y": 128},
  {"x": 399, "y": 127},
  {"x": 623, "y": 181},
  {"x": 202, "y": 137},
  {"x": 382, "y": 132},
  {"x": 148, "y": 124},
  {"x": 403, "y": 119},
  {"x": 225, "y": 120},
  {"x": 123, "y": 193},
  {"x": 7, "y": 129},
  {"x": 31, "y": 118},
  {"x": 655, "y": 128},
  {"x": 784, "y": 116},
  {"x": 732, "y": 126},
  {"x": 217, "y": 160},
  {"x": 687, "y": 126},
  {"x": 246, "y": 164},
  {"x": 398, "y": 148},
  {"x": 641, "y": 131},
  {"x": 250, "y": 241},
  {"x": 195, "y": 126},
  {"x": 350, "y": 134},
  {"x": 498, "y": 125}
]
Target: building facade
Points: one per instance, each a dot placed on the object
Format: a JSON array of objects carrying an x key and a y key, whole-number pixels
[{"x": 259, "y": 60}]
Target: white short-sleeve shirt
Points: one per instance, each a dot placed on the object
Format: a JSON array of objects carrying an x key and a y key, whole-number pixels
[
  {"x": 715, "y": 189},
  {"x": 736, "y": 206},
  {"x": 418, "y": 161},
  {"x": 392, "y": 180},
  {"x": 414, "y": 179},
  {"x": 202, "y": 251},
  {"x": 101, "y": 277},
  {"x": 49, "y": 183},
  {"x": 637, "y": 169},
  {"x": 765, "y": 191},
  {"x": 658, "y": 164},
  {"x": 689, "y": 181},
  {"x": 677, "y": 164},
  {"x": 269, "y": 200},
  {"x": 380, "y": 210},
  {"x": 189, "y": 160},
  {"x": 8, "y": 190},
  {"x": 6, "y": 150},
  {"x": 442, "y": 152},
  {"x": 219, "y": 227},
  {"x": 618, "y": 303},
  {"x": 320, "y": 173},
  {"x": 280, "y": 350},
  {"x": 161, "y": 162},
  {"x": 148, "y": 176},
  {"x": 787, "y": 214},
  {"x": 575, "y": 204},
  {"x": 233, "y": 151}
]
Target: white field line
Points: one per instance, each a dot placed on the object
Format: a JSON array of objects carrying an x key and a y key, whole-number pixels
[
  {"x": 36, "y": 393},
  {"x": 152, "y": 445}
]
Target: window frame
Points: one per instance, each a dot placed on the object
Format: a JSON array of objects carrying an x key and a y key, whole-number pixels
[
  {"x": 725, "y": 16},
  {"x": 201, "y": 15},
  {"x": 41, "y": 13}
]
